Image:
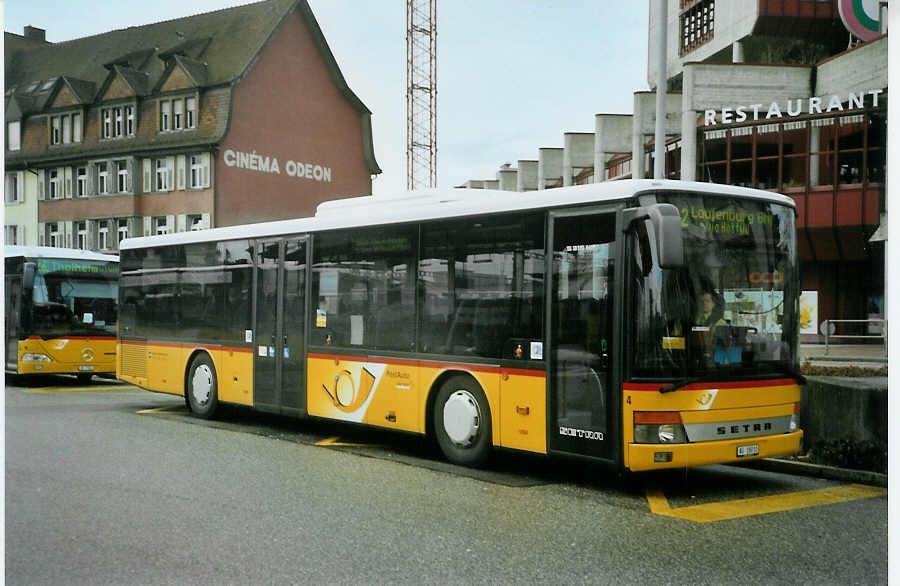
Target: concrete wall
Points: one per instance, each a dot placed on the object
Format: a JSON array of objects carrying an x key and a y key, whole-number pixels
[
  {"x": 527, "y": 177},
  {"x": 578, "y": 154},
  {"x": 861, "y": 69},
  {"x": 844, "y": 408},
  {"x": 612, "y": 135},
  {"x": 550, "y": 165},
  {"x": 507, "y": 178}
]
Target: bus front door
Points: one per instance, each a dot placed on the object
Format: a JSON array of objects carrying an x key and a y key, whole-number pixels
[
  {"x": 580, "y": 394},
  {"x": 280, "y": 313}
]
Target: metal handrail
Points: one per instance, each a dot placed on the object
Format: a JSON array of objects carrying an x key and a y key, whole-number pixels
[{"x": 882, "y": 336}]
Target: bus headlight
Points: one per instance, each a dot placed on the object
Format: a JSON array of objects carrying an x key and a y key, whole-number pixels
[
  {"x": 658, "y": 427},
  {"x": 35, "y": 357}
]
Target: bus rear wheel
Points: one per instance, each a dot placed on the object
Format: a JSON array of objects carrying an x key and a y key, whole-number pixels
[
  {"x": 202, "y": 387},
  {"x": 462, "y": 422}
]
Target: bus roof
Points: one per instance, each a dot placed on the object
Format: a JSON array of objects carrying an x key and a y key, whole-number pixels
[
  {"x": 51, "y": 252},
  {"x": 432, "y": 204}
]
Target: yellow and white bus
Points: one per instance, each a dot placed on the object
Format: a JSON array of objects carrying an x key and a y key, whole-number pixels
[
  {"x": 569, "y": 321},
  {"x": 60, "y": 311}
]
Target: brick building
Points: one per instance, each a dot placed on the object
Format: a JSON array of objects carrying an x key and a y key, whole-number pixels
[{"x": 234, "y": 116}]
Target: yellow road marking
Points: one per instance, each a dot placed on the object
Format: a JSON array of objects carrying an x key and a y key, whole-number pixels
[
  {"x": 161, "y": 409},
  {"x": 80, "y": 389},
  {"x": 711, "y": 512},
  {"x": 333, "y": 441}
]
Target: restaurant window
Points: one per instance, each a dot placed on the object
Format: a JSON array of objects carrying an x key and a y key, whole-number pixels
[
  {"x": 714, "y": 156},
  {"x": 795, "y": 149},
  {"x": 851, "y": 132},
  {"x": 821, "y": 155},
  {"x": 768, "y": 139}
]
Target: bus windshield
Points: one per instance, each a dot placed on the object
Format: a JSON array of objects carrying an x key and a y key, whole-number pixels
[
  {"x": 732, "y": 309},
  {"x": 75, "y": 297}
]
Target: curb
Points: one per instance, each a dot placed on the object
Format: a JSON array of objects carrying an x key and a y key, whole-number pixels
[
  {"x": 818, "y": 471},
  {"x": 845, "y": 359}
]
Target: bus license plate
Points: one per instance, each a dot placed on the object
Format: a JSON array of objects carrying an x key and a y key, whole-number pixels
[
  {"x": 86, "y": 367},
  {"x": 748, "y": 450}
]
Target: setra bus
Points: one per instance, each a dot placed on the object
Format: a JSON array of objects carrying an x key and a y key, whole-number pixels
[
  {"x": 60, "y": 308},
  {"x": 648, "y": 324}
]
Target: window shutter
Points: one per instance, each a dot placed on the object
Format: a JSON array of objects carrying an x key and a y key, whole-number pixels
[
  {"x": 67, "y": 174},
  {"x": 148, "y": 176},
  {"x": 205, "y": 169},
  {"x": 42, "y": 230},
  {"x": 69, "y": 226},
  {"x": 181, "y": 171},
  {"x": 205, "y": 219},
  {"x": 20, "y": 186},
  {"x": 170, "y": 169},
  {"x": 148, "y": 226},
  {"x": 93, "y": 228},
  {"x": 91, "y": 179},
  {"x": 170, "y": 224},
  {"x": 181, "y": 225},
  {"x": 129, "y": 180},
  {"x": 40, "y": 180},
  {"x": 20, "y": 234}
]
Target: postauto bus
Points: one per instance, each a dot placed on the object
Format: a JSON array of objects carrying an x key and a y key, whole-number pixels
[
  {"x": 60, "y": 311},
  {"x": 648, "y": 324}
]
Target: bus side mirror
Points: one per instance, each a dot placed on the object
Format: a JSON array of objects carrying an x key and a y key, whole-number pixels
[
  {"x": 669, "y": 239},
  {"x": 29, "y": 270}
]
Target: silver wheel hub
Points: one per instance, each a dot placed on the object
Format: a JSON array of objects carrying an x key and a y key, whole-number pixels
[
  {"x": 461, "y": 418},
  {"x": 201, "y": 384}
]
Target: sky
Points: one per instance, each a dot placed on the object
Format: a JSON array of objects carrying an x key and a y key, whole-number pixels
[{"x": 512, "y": 75}]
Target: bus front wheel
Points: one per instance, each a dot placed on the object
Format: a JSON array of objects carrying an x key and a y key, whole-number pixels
[
  {"x": 462, "y": 421},
  {"x": 202, "y": 387}
]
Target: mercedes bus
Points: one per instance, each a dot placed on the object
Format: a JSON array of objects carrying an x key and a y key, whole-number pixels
[{"x": 60, "y": 309}]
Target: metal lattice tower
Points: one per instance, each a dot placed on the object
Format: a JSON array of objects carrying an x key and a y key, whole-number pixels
[{"x": 421, "y": 94}]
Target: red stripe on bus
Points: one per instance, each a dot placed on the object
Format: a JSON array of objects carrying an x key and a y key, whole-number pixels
[
  {"x": 73, "y": 338},
  {"x": 430, "y": 364},
  {"x": 720, "y": 385},
  {"x": 186, "y": 345}
]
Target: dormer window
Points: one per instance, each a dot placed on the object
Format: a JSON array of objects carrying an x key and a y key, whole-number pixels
[
  {"x": 176, "y": 114},
  {"x": 117, "y": 121},
  {"x": 65, "y": 128}
]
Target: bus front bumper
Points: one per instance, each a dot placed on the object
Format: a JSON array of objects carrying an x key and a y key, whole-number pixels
[{"x": 658, "y": 456}]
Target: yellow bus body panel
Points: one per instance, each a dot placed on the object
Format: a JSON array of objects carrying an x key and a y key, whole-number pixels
[
  {"x": 393, "y": 394},
  {"x": 523, "y": 413},
  {"x": 708, "y": 405},
  {"x": 167, "y": 364},
  {"x": 77, "y": 355}
]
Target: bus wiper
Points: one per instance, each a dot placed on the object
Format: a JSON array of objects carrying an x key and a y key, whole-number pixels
[
  {"x": 680, "y": 383},
  {"x": 674, "y": 386}
]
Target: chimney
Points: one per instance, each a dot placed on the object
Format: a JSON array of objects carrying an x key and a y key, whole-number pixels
[{"x": 35, "y": 34}]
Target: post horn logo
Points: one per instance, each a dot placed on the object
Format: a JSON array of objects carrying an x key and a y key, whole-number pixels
[
  {"x": 87, "y": 355},
  {"x": 345, "y": 394}
]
